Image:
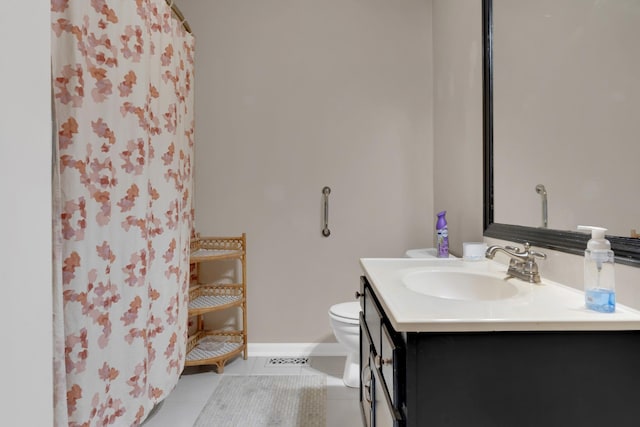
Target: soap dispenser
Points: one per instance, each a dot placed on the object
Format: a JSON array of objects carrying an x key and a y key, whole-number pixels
[{"x": 599, "y": 277}]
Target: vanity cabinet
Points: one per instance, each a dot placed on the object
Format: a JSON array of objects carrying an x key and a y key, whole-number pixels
[
  {"x": 215, "y": 346},
  {"x": 495, "y": 378},
  {"x": 382, "y": 365}
]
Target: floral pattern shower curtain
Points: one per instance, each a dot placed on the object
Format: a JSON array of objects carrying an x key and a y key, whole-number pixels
[{"x": 122, "y": 84}]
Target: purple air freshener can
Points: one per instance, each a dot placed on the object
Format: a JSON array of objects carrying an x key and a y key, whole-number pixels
[{"x": 442, "y": 235}]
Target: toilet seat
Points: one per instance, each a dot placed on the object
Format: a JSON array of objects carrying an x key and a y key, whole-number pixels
[{"x": 347, "y": 312}]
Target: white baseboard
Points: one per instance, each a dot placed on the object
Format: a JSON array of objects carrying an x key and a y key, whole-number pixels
[{"x": 295, "y": 349}]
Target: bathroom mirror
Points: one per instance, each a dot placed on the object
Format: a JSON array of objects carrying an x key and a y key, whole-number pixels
[{"x": 561, "y": 97}]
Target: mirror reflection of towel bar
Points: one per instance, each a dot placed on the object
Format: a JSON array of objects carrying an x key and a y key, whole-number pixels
[
  {"x": 543, "y": 192},
  {"x": 325, "y": 192}
]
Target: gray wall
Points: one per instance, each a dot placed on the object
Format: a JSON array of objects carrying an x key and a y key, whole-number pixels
[
  {"x": 25, "y": 191},
  {"x": 292, "y": 96}
]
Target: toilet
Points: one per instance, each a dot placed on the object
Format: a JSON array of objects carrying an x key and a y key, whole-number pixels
[{"x": 345, "y": 322}]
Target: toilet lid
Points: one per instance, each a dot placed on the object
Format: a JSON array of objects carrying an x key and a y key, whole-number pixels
[
  {"x": 346, "y": 310},
  {"x": 422, "y": 253}
]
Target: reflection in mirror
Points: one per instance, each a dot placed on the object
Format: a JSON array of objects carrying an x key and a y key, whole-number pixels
[
  {"x": 566, "y": 94},
  {"x": 561, "y": 129}
]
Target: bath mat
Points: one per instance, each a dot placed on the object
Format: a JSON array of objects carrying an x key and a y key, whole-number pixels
[{"x": 266, "y": 400}]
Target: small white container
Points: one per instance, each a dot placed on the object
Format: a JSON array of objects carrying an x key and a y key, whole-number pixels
[{"x": 473, "y": 251}]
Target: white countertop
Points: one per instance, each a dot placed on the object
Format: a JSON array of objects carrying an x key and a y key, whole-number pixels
[{"x": 548, "y": 306}]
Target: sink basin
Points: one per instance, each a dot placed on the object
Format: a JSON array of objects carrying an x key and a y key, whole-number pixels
[{"x": 459, "y": 285}]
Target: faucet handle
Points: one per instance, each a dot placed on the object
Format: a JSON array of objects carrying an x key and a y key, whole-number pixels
[
  {"x": 526, "y": 251},
  {"x": 516, "y": 249},
  {"x": 532, "y": 253},
  {"x": 538, "y": 254}
]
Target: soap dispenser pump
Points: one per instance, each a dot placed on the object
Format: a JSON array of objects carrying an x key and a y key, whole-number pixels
[{"x": 599, "y": 274}]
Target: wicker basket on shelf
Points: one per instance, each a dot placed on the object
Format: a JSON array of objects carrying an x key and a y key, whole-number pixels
[
  {"x": 203, "y": 247},
  {"x": 231, "y": 344},
  {"x": 201, "y": 297}
]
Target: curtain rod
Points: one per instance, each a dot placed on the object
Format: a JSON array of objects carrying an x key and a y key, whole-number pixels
[{"x": 179, "y": 15}]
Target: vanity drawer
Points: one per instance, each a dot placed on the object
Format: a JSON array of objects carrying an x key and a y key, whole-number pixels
[
  {"x": 363, "y": 284},
  {"x": 373, "y": 316}
]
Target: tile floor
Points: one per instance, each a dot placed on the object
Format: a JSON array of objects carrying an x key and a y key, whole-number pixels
[{"x": 182, "y": 407}]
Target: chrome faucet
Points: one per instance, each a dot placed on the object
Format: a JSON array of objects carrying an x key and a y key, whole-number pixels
[{"x": 523, "y": 261}]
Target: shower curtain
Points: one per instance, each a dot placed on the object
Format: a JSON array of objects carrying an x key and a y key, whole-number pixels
[{"x": 122, "y": 87}]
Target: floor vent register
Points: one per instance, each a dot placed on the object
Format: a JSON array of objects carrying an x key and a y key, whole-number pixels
[{"x": 288, "y": 361}]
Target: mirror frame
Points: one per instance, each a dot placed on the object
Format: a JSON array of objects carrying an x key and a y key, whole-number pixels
[{"x": 626, "y": 249}]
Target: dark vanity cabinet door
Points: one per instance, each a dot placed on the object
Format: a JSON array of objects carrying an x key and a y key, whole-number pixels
[
  {"x": 366, "y": 375},
  {"x": 385, "y": 415},
  {"x": 381, "y": 364}
]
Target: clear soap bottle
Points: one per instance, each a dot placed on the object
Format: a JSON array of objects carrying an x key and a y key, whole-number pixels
[{"x": 599, "y": 273}]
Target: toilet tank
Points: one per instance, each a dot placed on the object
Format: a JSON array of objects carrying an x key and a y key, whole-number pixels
[{"x": 424, "y": 253}]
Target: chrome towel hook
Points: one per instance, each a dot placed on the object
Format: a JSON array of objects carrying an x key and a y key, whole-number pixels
[{"x": 325, "y": 192}]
